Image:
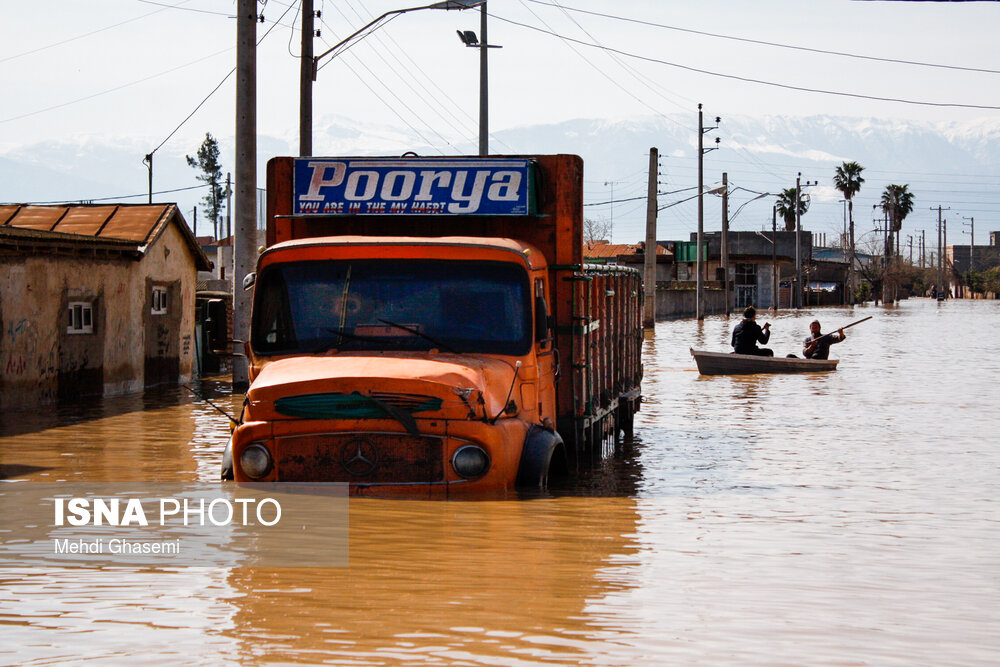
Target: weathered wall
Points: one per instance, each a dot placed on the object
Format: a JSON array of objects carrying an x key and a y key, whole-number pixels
[
  {"x": 42, "y": 362},
  {"x": 675, "y": 304},
  {"x": 169, "y": 263}
]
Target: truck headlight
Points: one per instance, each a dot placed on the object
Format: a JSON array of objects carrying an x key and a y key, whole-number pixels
[
  {"x": 470, "y": 461},
  {"x": 255, "y": 461}
]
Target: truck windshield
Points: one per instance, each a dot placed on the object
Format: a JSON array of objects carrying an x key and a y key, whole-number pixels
[{"x": 453, "y": 306}]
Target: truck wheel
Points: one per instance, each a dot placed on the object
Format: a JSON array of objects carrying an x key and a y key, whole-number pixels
[{"x": 536, "y": 457}]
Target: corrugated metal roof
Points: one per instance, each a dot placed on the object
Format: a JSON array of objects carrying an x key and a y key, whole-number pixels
[
  {"x": 603, "y": 250},
  {"x": 131, "y": 222},
  {"x": 85, "y": 219},
  {"x": 42, "y": 218},
  {"x": 136, "y": 223}
]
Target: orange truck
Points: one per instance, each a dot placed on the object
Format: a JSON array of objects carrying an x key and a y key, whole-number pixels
[{"x": 426, "y": 327}]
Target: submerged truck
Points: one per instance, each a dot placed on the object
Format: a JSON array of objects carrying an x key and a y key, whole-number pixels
[{"x": 426, "y": 327}]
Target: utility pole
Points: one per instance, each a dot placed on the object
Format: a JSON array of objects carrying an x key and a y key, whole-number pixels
[
  {"x": 798, "y": 243},
  {"x": 229, "y": 205},
  {"x": 306, "y": 80},
  {"x": 944, "y": 258},
  {"x": 611, "y": 232},
  {"x": 851, "y": 266},
  {"x": 148, "y": 161},
  {"x": 940, "y": 267},
  {"x": 699, "y": 269},
  {"x": 923, "y": 246},
  {"x": 484, "y": 98},
  {"x": 246, "y": 182},
  {"x": 909, "y": 240},
  {"x": 194, "y": 221},
  {"x": 725, "y": 240},
  {"x": 972, "y": 240},
  {"x": 774, "y": 258},
  {"x": 649, "y": 265}
]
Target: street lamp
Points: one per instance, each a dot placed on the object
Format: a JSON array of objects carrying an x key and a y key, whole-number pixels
[{"x": 305, "y": 98}]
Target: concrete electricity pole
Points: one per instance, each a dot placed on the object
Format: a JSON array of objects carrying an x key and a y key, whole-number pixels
[
  {"x": 245, "y": 239},
  {"x": 611, "y": 224},
  {"x": 798, "y": 244},
  {"x": 649, "y": 264},
  {"x": 972, "y": 240},
  {"x": 699, "y": 306},
  {"x": 940, "y": 264},
  {"x": 776, "y": 296},
  {"x": 484, "y": 96},
  {"x": 944, "y": 258},
  {"x": 305, "y": 80},
  {"x": 725, "y": 240}
]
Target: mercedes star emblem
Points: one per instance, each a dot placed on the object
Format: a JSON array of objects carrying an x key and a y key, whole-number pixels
[{"x": 359, "y": 457}]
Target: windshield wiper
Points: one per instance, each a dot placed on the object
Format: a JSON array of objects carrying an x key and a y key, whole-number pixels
[
  {"x": 350, "y": 336},
  {"x": 418, "y": 332}
]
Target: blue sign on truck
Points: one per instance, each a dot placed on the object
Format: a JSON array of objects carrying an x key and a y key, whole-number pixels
[{"x": 413, "y": 186}]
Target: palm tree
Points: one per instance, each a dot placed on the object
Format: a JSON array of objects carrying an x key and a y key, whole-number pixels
[
  {"x": 848, "y": 180},
  {"x": 786, "y": 207},
  {"x": 897, "y": 203}
]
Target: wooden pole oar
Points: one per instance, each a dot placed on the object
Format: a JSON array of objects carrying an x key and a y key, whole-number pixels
[{"x": 847, "y": 326}]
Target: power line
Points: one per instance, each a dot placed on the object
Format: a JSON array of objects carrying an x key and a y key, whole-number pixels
[
  {"x": 186, "y": 9},
  {"x": 439, "y": 111},
  {"x": 214, "y": 90},
  {"x": 91, "y": 33},
  {"x": 585, "y": 59},
  {"x": 752, "y": 80},
  {"x": 144, "y": 194},
  {"x": 774, "y": 44},
  {"x": 391, "y": 107},
  {"x": 112, "y": 90},
  {"x": 618, "y": 61}
]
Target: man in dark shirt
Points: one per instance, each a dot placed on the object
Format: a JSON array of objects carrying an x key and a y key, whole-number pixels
[
  {"x": 817, "y": 345},
  {"x": 748, "y": 333}
]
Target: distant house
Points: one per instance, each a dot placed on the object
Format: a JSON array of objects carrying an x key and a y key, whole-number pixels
[
  {"x": 974, "y": 257},
  {"x": 95, "y": 300},
  {"x": 754, "y": 257},
  {"x": 629, "y": 254}
]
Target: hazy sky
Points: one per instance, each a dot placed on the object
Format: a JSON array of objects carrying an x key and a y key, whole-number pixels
[
  {"x": 136, "y": 67},
  {"x": 133, "y": 70}
]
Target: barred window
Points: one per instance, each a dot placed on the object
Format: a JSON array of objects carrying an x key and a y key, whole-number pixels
[
  {"x": 159, "y": 301},
  {"x": 81, "y": 317}
]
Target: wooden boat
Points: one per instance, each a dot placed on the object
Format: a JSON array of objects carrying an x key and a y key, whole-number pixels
[{"x": 723, "y": 363}]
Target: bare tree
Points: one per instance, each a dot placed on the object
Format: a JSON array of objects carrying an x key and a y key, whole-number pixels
[{"x": 596, "y": 229}]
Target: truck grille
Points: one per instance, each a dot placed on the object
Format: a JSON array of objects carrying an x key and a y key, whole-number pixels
[{"x": 360, "y": 458}]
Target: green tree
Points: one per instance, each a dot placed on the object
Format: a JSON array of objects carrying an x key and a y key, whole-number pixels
[
  {"x": 207, "y": 162},
  {"x": 897, "y": 203},
  {"x": 786, "y": 207},
  {"x": 848, "y": 180}
]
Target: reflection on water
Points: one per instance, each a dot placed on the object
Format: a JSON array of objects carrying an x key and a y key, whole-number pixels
[{"x": 841, "y": 518}]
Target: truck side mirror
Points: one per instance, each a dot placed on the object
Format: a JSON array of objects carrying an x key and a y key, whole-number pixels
[
  {"x": 541, "y": 319},
  {"x": 249, "y": 280}
]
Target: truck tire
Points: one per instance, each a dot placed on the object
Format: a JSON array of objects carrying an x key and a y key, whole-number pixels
[{"x": 536, "y": 457}]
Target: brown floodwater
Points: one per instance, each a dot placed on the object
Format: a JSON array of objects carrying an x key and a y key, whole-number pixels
[{"x": 848, "y": 518}]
